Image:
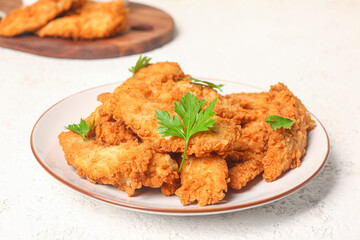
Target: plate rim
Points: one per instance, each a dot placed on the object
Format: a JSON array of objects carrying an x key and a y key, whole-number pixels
[{"x": 172, "y": 211}]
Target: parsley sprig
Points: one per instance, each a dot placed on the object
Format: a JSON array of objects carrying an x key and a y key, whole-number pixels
[
  {"x": 204, "y": 83},
  {"x": 82, "y": 128},
  {"x": 277, "y": 122},
  {"x": 194, "y": 119},
  {"x": 141, "y": 62}
]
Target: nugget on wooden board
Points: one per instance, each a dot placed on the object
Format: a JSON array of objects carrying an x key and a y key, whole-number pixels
[
  {"x": 91, "y": 21},
  {"x": 35, "y": 16}
]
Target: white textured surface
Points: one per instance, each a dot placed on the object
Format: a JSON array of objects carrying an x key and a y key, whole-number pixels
[{"x": 312, "y": 46}]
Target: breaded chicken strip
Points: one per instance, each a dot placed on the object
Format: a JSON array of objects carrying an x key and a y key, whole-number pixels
[
  {"x": 107, "y": 131},
  {"x": 261, "y": 148},
  {"x": 203, "y": 180},
  {"x": 128, "y": 166},
  {"x": 35, "y": 16},
  {"x": 243, "y": 107},
  {"x": 248, "y": 155},
  {"x": 249, "y": 109},
  {"x": 93, "y": 20},
  {"x": 246, "y": 170},
  {"x": 139, "y": 115},
  {"x": 157, "y": 87},
  {"x": 286, "y": 146},
  {"x": 162, "y": 82}
]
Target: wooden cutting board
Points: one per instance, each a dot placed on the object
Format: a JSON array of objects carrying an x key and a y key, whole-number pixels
[{"x": 148, "y": 28}]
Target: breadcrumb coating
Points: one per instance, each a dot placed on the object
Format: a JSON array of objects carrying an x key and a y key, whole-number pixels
[{"x": 35, "y": 16}]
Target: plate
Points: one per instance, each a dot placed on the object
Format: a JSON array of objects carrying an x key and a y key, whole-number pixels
[{"x": 47, "y": 151}]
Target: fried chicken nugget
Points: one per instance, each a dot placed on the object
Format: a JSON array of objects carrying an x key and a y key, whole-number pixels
[
  {"x": 246, "y": 170},
  {"x": 93, "y": 20},
  {"x": 248, "y": 155},
  {"x": 35, "y": 16},
  {"x": 154, "y": 75},
  {"x": 157, "y": 87},
  {"x": 243, "y": 107},
  {"x": 286, "y": 146},
  {"x": 249, "y": 110},
  {"x": 163, "y": 82},
  {"x": 128, "y": 166},
  {"x": 139, "y": 115},
  {"x": 203, "y": 180},
  {"x": 107, "y": 131},
  {"x": 261, "y": 148}
]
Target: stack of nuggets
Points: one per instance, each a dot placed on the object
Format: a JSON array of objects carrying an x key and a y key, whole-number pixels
[
  {"x": 75, "y": 19},
  {"x": 125, "y": 149}
]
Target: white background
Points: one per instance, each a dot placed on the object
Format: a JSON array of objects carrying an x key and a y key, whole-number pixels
[{"x": 312, "y": 46}]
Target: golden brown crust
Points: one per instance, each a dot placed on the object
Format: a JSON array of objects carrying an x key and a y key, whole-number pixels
[
  {"x": 286, "y": 146},
  {"x": 243, "y": 107},
  {"x": 244, "y": 171},
  {"x": 203, "y": 180},
  {"x": 249, "y": 153},
  {"x": 127, "y": 166},
  {"x": 35, "y": 16},
  {"x": 162, "y": 169},
  {"x": 261, "y": 148},
  {"x": 107, "y": 131},
  {"x": 134, "y": 103},
  {"x": 168, "y": 189},
  {"x": 125, "y": 148},
  {"x": 91, "y": 21},
  {"x": 249, "y": 109}
]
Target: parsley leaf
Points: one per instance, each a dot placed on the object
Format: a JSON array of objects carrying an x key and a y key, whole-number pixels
[
  {"x": 194, "y": 119},
  {"x": 82, "y": 128},
  {"x": 141, "y": 62},
  {"x": 205, "y": 83},
  {"x": 277, "y": 122}
]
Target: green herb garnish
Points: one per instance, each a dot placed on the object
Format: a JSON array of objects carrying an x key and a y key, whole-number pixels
[
  {"x": 277, "y": 122},
  {"x": 82, "y": 128},
  {"x": 141, "y": 62},
  {"x": 194, "y": 119},
  {"x": 204, "y": 83}
]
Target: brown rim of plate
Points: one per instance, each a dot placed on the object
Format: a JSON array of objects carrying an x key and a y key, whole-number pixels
[{"x": 184, "y": 211}]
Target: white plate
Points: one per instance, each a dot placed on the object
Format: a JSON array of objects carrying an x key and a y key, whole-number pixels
[{"x": 47, "y": 151}]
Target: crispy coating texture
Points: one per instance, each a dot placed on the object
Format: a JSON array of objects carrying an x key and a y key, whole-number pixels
[
  {"x": 243, "y": 107},
  {"x": 91, "y": 21},
  {"x": 245, "y": 171},
  {"x": 203, "y": 180},
  {"x": 286, "y": 146},
  {"x": 125, "y": 148},
  {"x": 157, "y": 87},
  {"x": 248, "y": 154},
  {"x": 128, "y": 166},
  {"x": 163, "y": 83},
  {"x": 35, "y": 16},
  {"x": 249, "y": 109},
  {"x": 107, "y": 131},
  {"x": 261, "y": 148}
]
